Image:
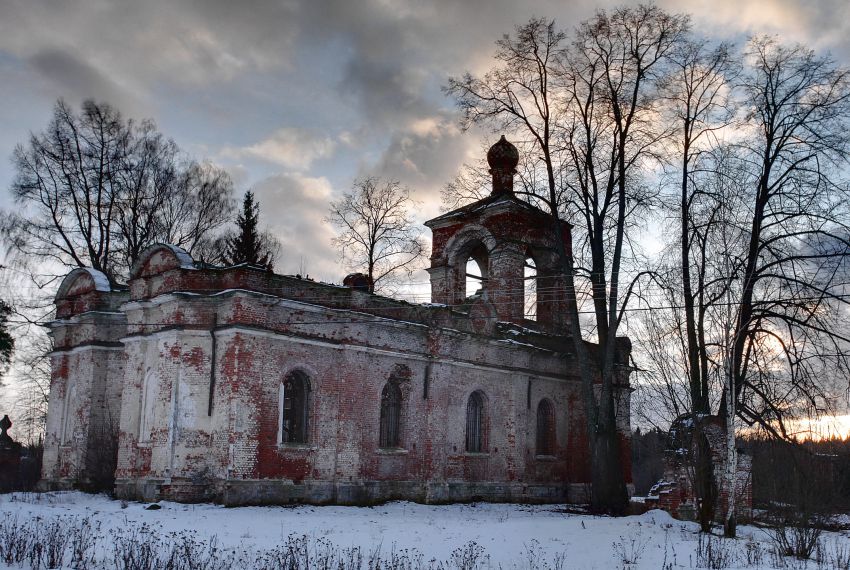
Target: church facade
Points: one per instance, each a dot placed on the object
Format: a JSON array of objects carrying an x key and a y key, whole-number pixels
[{"x": 242, "y": 386}]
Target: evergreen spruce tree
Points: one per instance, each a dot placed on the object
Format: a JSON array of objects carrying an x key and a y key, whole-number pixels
[
  {"x": 248, "y": 245},
  {"x": 7, "y": 343}
]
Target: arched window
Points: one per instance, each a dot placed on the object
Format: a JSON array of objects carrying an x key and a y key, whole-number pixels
[
  {"x": 474, "y": 277},
  {"x": 545, "y": 428},
  {"x": 390, "y": 416},
  {"x": 530, "y": 289},
  {"x": 292, "y": 401},
  {"x": 475, "y": 423},
  {"x": 146, "y": 411},
  {"x": 477, "y": 266},
  {"x": 68, "y": 412}
]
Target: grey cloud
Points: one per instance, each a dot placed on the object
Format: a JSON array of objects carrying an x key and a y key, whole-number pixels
[
  {"x": 76, "y": 80},
  {"x": 292, "y": 207},
  {"x": 424, "y": 157},
  {"x": 139, "y": 42},
  {"x": 392, "y": 52},
  {"x": 293, "y": 148},
  {"x": 387, "y": 92},
  {"x": 395, "y": 58},
  {"x": 383, "y": 61},
  {"x": 384, "y": 65},
  {"x": 823, "y": 25}
]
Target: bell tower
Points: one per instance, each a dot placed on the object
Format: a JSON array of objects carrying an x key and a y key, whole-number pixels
[{"x": 506, "y": 246}]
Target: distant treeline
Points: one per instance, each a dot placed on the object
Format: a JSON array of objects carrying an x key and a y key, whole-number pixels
[{"x": 814, "y": 474}]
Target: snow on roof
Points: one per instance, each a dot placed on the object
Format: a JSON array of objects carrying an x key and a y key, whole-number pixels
[
  {"x": 183, "y": 257},
  {"x": 184, "y": 260},
  {"x": 485, "y": 203},
  {"x": 517, "y": 343},
  {"x": 101, "y": 281}
]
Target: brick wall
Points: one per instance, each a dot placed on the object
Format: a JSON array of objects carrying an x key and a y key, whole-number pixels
[
  {"x": 86, "y": 383},
  {"x": 676, "y": 492},
  {"x": 348, "y": 366},
  {"x": 192, "y": 363}
]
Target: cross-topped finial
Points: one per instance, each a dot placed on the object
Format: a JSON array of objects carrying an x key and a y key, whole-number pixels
[{"x": 5, "y": 424}]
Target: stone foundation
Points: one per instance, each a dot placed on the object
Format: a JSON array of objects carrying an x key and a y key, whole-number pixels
[{"x": 239, "y": 492}]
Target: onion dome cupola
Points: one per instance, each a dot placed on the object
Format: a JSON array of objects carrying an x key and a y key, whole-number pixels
[{"x": 503, "y": 158}]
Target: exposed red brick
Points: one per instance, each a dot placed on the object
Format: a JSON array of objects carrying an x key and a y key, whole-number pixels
[{"x": 192, "y": 360}]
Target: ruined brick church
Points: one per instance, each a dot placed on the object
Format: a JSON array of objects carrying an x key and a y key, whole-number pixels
[{"x": 242, "y": 386}]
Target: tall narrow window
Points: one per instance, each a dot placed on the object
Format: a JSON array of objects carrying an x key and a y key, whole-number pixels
[
  {"x": 474, "y": 277},
  {"x": 545, "y": 428},
  {"x": 530, "y": 289},
  {"x": 281, "y": 399},
  {"x": 390, "y": 416},
  {"x": 146, "y": 410},
  {"x": 68, "y": 412},
  {"x": 475, "y": 423},
  {"x": 293, "y": 408}
]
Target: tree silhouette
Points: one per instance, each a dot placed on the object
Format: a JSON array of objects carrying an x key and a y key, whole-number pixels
[
  {"x": 587, "y": 106},
  {"x": 249, "y": 245},
  {"x": 7, "y": 343},
  {"x": 95, "y": 190},
  {"x": 378, "y": 235}
]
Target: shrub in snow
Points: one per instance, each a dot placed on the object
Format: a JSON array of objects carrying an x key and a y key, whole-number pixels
[
  {"x": 15, "y": 538},
  {"x": 798, "y": 540},
  {"x": 630, "y": 550},
  {"x": 714, "y": 552}
]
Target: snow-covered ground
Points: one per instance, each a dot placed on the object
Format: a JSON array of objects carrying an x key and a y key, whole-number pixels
[{"x": 506, "y": 536}]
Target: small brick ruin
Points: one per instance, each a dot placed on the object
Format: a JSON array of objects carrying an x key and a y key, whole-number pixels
[
  {"x": 242, "y": 386},
  {"x": 677, "y": 493},
  {"x": 10, "y": 458}
]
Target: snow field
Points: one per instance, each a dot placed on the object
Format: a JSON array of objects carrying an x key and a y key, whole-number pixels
[{"x": 407, "y": 535}]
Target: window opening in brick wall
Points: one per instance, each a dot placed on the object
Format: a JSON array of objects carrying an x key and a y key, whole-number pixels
[
  {"x": 147, "y": 408},
  {"x": 292, "y": 408},
  {"x": 390, "y": 435},
  {"x": 475, "y": 423},
  {"x": 530, "y": 289},
  {"x": 545, "y": 428},
  {"x": 476, "y": 268},
  {"x": 474, "y": 277},
  {"x": 68, "y": 412}
]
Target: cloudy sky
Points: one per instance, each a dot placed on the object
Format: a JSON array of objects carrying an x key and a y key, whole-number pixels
[{"x": 297, "y": 98}]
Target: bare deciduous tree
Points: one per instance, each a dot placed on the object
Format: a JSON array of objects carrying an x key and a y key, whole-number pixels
[
  {"x": 95, "y": 190},
  {"x": 699, "y": 103},
  {"x": 611, "y": 82},
  {"x": 765, "y": 238},
  {"x": 794, "y": 276},
  {"x": 200, "y": 207},
  {"x": 377, "y": 234},
  {"x": 516, "y": 96},
  {"x": 32, "y": 384},
  {"x": 68, "y": 175},
  {"x": 590, "y": 114},
  {"x": 787, "y": 333},
  {"x": 699, "y": 91},
  {"x": 759, "y": 277}
]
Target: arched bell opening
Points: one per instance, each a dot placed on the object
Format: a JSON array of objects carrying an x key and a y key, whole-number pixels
[
  {"x": 476, "y": 270},
  {"x": 530, "y": 285},
  {"x": 474, "y": 278},
  {"x": 544, "y": 290}
]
